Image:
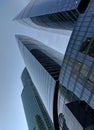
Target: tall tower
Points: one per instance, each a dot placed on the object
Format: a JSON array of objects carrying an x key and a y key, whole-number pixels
[
  {"x": 44, "y": 69},
  {"x": 75, "y": 88},
  {"x": 77, "y": 73},
  {"x": 36, "y": 114}
]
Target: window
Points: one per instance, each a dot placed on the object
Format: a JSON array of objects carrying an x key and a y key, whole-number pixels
[{"x": 88, "y": 47}]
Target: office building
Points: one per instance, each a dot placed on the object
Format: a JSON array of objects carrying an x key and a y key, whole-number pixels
[
  {"x": 75, "y": 89},
  {"x": 55, "y": 14},
  {"x": 36, "y": 114},
  {"x": 44, "y": 71},
  {"x": 77, "y": 74}
]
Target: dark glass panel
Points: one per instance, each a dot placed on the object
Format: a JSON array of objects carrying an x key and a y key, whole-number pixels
[
  {"x": 88, "y": 47},
  {"x": 83, "y": 5}
]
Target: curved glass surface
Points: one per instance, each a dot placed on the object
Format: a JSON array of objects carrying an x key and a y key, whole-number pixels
[{"x": 42, "y": 68}]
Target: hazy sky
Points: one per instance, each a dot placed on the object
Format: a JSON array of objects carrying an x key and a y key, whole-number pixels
[{"x": 11, "y": 63}]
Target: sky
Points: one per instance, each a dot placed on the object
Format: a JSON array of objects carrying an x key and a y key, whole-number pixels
[{"x": 11, "y": 63}]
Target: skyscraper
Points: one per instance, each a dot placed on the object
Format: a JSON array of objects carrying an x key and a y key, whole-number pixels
[
  {"x": 75, "y": 89},
  {"x": 36, "y": 114},
  {"x": 44, "y": 72},
  {"x": 77, "y": 73},
  {"x": 52, "y": 13}
]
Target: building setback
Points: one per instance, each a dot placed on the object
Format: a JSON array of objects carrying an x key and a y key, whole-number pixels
[{"x": 36, "y": 114}]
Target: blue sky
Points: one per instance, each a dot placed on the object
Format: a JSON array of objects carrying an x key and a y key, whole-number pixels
[{"x": 11, "y": 63}]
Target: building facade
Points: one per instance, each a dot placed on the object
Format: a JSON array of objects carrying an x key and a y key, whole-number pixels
[
  {"x": 52, "y": 13},
  {"x": 44, "y": 72},
  {"x": 69, "y": 100},
  {"x": 36, "y": 114},
  {"x": 77, "y": 73}
]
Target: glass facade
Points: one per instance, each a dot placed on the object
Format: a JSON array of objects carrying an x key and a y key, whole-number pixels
[
  {"x": 69, "y": 101},
  {"x": 53, "y": 13},
  {"x": 53, "y": 54},
  {"x": 44, "y": 72},
  {"x": 47, "y": 62},
  {"x": 39, "y": 123},
  {"x": 36, "y": 114},
  {"x": 77, "y": 72},
  {"x": 64, "y": 20}
]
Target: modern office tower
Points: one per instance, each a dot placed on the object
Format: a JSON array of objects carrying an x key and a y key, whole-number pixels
[
  {"x": 56, "y": 14},
  {"x": 75, "y": 90},
  {"x": 44, "y": 71},
  {"x": 77, "y": 75},
  {"x": 36, "y": 114}
]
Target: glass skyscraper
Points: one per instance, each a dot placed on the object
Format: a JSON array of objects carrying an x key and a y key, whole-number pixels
[
  {"x": 44, "y": 71},
  {"x": 77, "y": 73},
  {"x": 72, "y": 91},
  {"x": 36, "y": 114}
]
